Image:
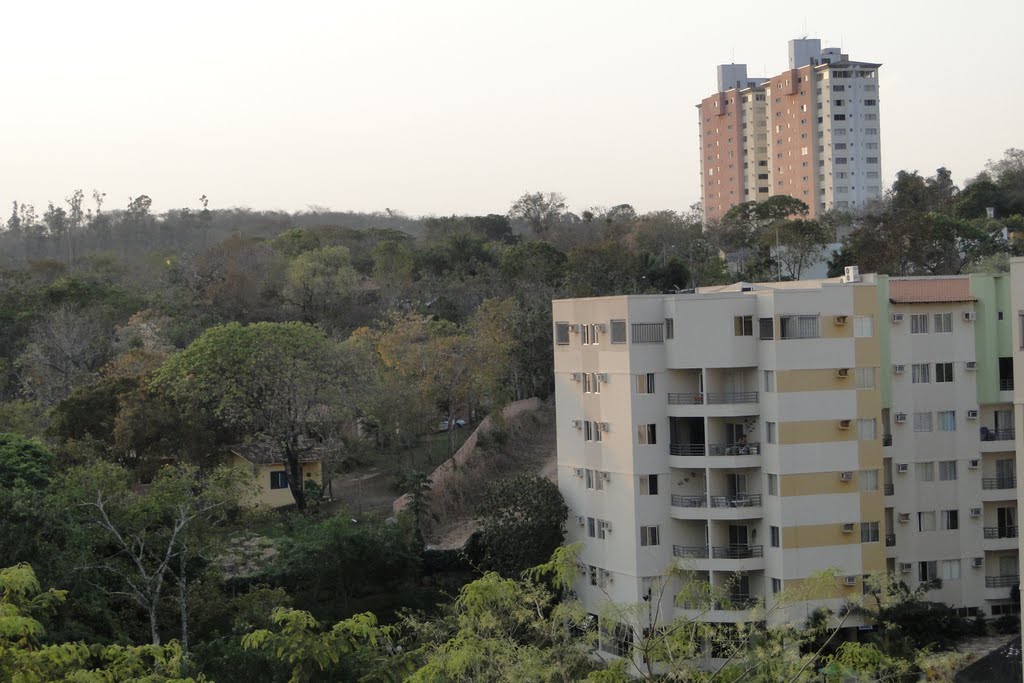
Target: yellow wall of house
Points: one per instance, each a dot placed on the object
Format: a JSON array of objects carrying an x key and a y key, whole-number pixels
[
  {"x": 276, "y": 498},
  {"x": 815, "y": 431}
]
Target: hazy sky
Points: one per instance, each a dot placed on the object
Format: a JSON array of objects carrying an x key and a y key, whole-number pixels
[{"x": 446, "y": 106}]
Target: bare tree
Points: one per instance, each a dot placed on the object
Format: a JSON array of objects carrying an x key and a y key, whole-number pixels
[{"x": 65, "y": 347}]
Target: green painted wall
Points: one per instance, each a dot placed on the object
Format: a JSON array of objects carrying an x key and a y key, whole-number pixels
[
  {"x": 884, "y": 327},
  {"x": 992, "y": 337}
]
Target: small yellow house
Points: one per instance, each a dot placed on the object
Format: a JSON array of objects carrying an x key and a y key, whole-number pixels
[{"x": 267, "y": 464}]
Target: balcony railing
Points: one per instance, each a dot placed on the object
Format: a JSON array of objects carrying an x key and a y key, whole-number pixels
[
  {"x": 686, "y": 398},
  {"x": 696, "y": 551},
  {"x": 681, "y": 501},
  {"x": 739, "y": 500},
  {"x": 889, "y": 489},
  {"x": 997, "y": 434},
  {"x": 989, "y": 483},
  {"x": 890, "y": 540},
  {"x": 736, "y": 552},
  {"x": 737, "y": 602},
  {"x": 1006, "y": 384},
  {"x": 719, "y": 398},
  {"x": 886, "y": 439},
  {"x": 1000, "y": 532},
  {"x": 753, "y": 448},
  {"x": 1000, "y": 581},
  {"x": 687, "y": 449}
]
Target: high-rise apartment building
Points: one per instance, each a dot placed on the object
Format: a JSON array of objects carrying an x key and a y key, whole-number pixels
[
  {"x": 811, "y": 132},
  {"x": 757, "y": 433}
]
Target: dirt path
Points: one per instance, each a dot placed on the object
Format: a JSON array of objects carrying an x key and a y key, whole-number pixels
[{"x": 368, "y": 491}]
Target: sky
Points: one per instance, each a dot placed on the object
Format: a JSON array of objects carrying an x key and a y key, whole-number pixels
[{"x": 435, "y": 107}]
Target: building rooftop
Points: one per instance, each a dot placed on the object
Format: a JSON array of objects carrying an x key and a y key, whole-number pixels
[
  {"x": 930, "y": 290},
  {"x": 267, "y": 453}
]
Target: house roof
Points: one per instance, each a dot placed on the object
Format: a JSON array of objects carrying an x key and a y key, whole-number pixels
[
  {"x": 267, "y": 453},
  {"x": 930, "y": 290}
]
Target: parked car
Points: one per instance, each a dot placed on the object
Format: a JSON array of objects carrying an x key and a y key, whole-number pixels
[{"x": 457, "y": 423}]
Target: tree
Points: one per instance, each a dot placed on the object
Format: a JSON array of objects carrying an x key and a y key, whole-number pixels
[
  {"x": 320, "y": 282},
  {"x": 540, "y": 210},
  {"x": 24, "y": 461},
  {"x": 522, "y": 521},
  {"x": 155, "y": 534},
  {"x": 800, "y": 244},
  {"x": 65, "y": 347},
  {"x": 270, "y": 380}
]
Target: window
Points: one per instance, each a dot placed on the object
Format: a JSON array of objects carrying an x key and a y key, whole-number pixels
[
  {"x": 1020, "y": 322},
  {"x": 594, "y": 480},
  {"x": 921, "y": 373},
  {"x": 596, "y": 528},
  {"x": 595, "y": 383},
  {"x": 927, "y": 571},
  {"x": 588, "y": 430},
  {"x": 919, "y": 324},
  {"x": 618, "y": 331},
  {"x": 649, "y": 535},
  {"x": 743, "y": 326},
  {"x": 670, "y": 328},
  {"x": 649, "y": 485},
  {"x": 865, "y": 378},
  {"x": 776, "y": 586},
  {"x": 767, "y": 328},
  {"x": 871, "y": 160},
  {"x": 646, "y": 434},
  {"x": 586, "y": 382},
  {"x": 839, "y": 117},
  {"x": 949, "y": 520},
  {"x": 869, "y": 532},
  {"x": 770, "y": 435},
  {"x": 648, "y": 332},
  {"x": 947, "y": 420},
  {"x": 562, "y": 333},
  {"x": 869, "y": 480},
  {"x": 863, "y": 326},
  {"x": 947, "y": 470},
  {"x": 592, "y": 570},
  {"x": 922, "y": 422},
  {"x": 866, "y": 429},
  {"x": 596, "y": 430},
  {"x": 585, "y": 331},
  {"x": 773, "y": 484},
  {"x": 925, "y": 471},
  {"x": 799, "y": 327},
  {"x": 870, "y": 103},
  {"x": 279, "y": 480},
  {"x": 926, "y": 521},
  {"x": 769, "y": 381},
  {"x": 950, "y": 569},
  {"x": 943, "y": 372},
  {"x": 644, "y": 383}
]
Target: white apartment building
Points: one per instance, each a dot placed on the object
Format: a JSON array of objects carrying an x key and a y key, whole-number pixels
[{"x": 757, "y": 433}]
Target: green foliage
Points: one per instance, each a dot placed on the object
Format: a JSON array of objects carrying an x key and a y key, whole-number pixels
[
  {"x": 522, "y": 521},
  {"x": 24, "y": 462}
]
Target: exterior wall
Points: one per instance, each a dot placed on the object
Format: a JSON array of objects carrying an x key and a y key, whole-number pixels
[
  {"x": 1017, "y": 342},
  {"x": 721, "y": 152},
  {"x": 275, "y": 498},
  {"x": 792, "y": 136}
]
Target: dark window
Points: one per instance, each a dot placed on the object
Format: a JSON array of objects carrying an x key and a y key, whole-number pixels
[
  {"x": 670, "y": 328},
  {"x": 561, "y": 333},
  {"x": 943, "y": 372},
  {"x": 279, "y": 480},
  {"x": 767, "y": 326},
  {"x": 743, "y": 326},
  {"x": 618, "y": 332}
]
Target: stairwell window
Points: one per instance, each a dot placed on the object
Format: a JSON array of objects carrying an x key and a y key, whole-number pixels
[
  {"x": 863, "y": 326},
  {"x": 947, "y": 470},
  {"x": 920, "y": 373},
  {"x": 562, "y": 333},
  {"x": 865, "y": 378},
  {"x": 799, "y": 327},
  {"x": 947, "y": 420},
  {"x": 773, "y": 484},
  {"x": 646, "y": 435},
  {"x": 650, "y": 535},
  {"x": 670, "y": 328},
  {"x": 769, "y": 381},
  {"x": 618, "y": 328},
  {"x": 943, "y": 372},
  {"x": 775, "y": 536},
  {"x": 649, "y": 485},
  {"x": 869, "y": 532},
  {"x": 867, "y": 429},
  {"x": 949, "y": 520},
  {"x": 767, "y": 328},
  {"x": 770, "y": 429}
]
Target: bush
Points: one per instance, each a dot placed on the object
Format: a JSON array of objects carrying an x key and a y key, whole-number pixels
[
  {"x": 522, "y": 521},
  {"x": 1007, "y": 623}
]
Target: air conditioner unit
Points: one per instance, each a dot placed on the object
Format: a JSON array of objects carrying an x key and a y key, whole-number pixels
[
  {"x": 845, "y": 424},
  {"x": 602, "y": 377},
  {"x": 902, "y": 467},
  {"x": 601, "y": 327},
  {"x": 839, "y": 319},
  {"x": 973, "y": 464},
  {"x": 971, "y": 365},
  {"x": 607, "y": 526},
  {"x": 975, "y": 512},
  {"x": 842, "y": 373},
  {"x": 850, "y": 580},
  {"x": 607, "y": 576},
  {"x": 972, "y": 414},
  {"x": 970, "y": 316},
  {"x": 574, "y": 328},
  {"x": 577, "y": 424},
  {"x": 581, "y": 520},
  {"x": 899, "y": 369},
  {"x": 606, "y": 476},
  {"x": 904, "y": 518},
  {"x": 851, "y": 274},
  {"x": 847, "y": 527},
  {"x": 897, "y": 317},
  {"x": 901, "y": 418},
  {"x": 846, "y": 476},
  {"x": 578, "y": 471},
  {"x": 905, "y": 567},
  {"x": 603, "y": 426},
  {"x": 977, "y": 562},
  {"x": 576, "y": 376}
]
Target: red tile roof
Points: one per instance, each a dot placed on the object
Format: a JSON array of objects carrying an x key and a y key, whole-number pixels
[{"x": 930, "y": 290}]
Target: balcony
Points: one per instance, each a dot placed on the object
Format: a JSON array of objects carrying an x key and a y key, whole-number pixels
[
  {"x": 690, "y": 551},
  {"x": 736, "y": 552},
  {"x": 686, "y": 399},
  {"x": 735, "y": 448},
  {"x": 990, "y": 483},
  {"x": 1006, "y": 384},
  {"x": 739, "y": 500},
  {"x": 738, "y": 602},
  {"x": 731, "y": 397},
  {"x": 689, "y": 501},
  {"x": 687, "y": 449},
  {"x": 1002, "y": 581},
  {"x": 1000, "y": 532},
  {"x": 889, "y": 490},
  {"x": 890, "y": 540},
  {"x": 997, "y": 434},
  {"x": 713, "y": 404}
]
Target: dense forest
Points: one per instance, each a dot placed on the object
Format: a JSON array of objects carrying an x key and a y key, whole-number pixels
[{"x": 136, "y": 348}]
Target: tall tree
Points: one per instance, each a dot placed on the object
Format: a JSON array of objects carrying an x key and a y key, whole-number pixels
[{"x": 540, "y": 210}]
